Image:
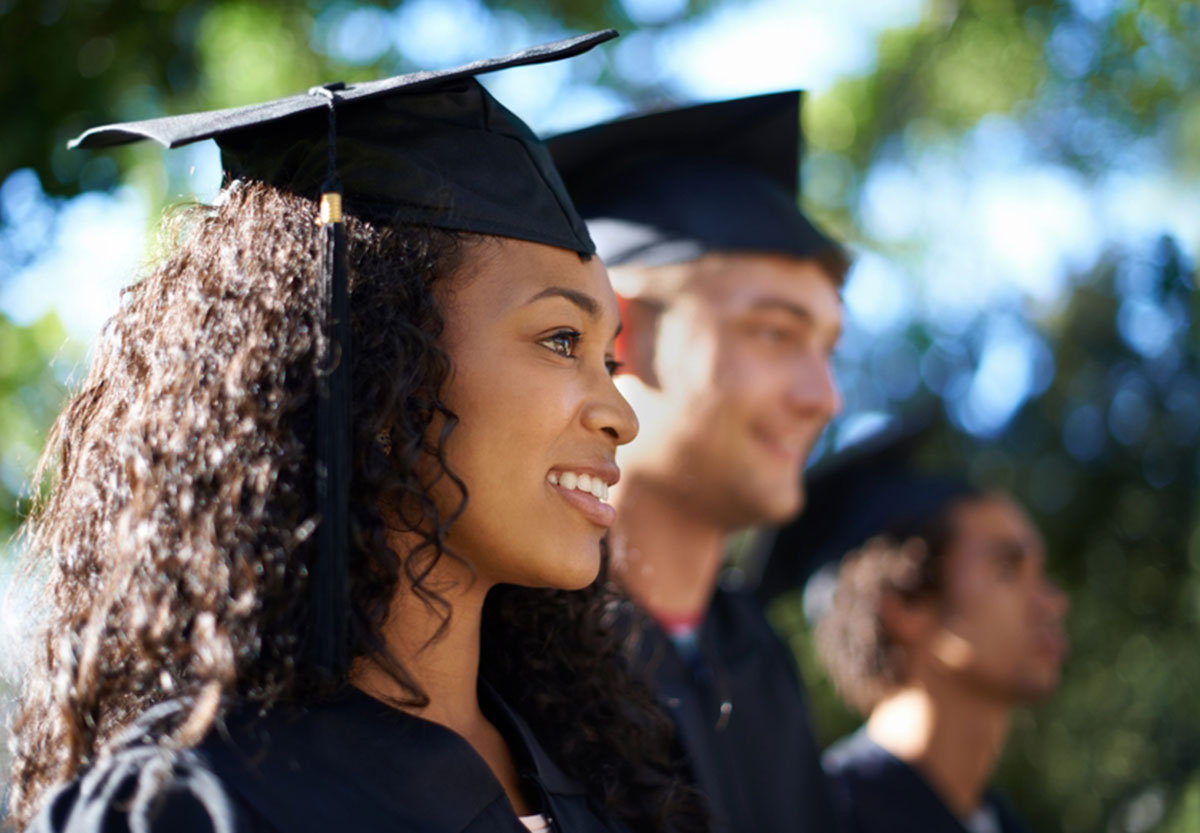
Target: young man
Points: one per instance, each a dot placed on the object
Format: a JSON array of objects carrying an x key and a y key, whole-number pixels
[
  {"x": 940, "y": 624},
  {"x": 731, "y": 309}
]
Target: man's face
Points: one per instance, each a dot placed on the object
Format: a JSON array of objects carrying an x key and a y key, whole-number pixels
[
  {"x": 1001, "y": 628},
  {"x": 732, "y": 384}
]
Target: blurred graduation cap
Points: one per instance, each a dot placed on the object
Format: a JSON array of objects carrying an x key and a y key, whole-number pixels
[
  {"x": 429, "y": 148},
  {"x": 670, "y": 186},
  {"x": 866, "y": 490}
]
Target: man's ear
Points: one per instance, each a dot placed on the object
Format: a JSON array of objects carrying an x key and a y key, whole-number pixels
[{"x": 635, "y": 345}]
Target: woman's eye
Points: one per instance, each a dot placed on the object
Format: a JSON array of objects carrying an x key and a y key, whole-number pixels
[
  {"x": 1009, "y": 565},
  {"x": 563, "y": 342},
  {"x": 614, "y": 366}
]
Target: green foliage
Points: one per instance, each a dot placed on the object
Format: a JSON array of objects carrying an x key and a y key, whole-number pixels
[
  {"x": 72, "y": 65},
  {"x": 34, "y": 361},
  {"x": 252, "y": 52},
  {"x": 983, "y": 66}
]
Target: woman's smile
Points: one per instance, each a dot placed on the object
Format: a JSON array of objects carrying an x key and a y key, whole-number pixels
[{"x": 586, "y": 489}]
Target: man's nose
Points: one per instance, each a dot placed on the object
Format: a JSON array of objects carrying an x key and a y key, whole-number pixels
[{"x": 814, "y": 388}]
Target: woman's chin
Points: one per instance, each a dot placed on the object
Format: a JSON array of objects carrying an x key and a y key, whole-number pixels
[{"x": 575, "y": 569}]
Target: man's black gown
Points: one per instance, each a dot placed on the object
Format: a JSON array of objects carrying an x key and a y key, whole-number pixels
[
  {"x": 742, "y": 718},
  {"x": 875, "y": 792},
  {"x": 355, "y": 765}
]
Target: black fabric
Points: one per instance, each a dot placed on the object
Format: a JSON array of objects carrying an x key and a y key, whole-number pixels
[
  {"x": 758, "y": 764},
  {"x": 875, "y": 792},
  {"x": 430, "y": 147},
  {"x": 668, "y": 187},
  {"x": 356, "y": 764}
]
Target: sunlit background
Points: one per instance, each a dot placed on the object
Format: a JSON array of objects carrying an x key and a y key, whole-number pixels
[{"x": 1019, "y": 183}]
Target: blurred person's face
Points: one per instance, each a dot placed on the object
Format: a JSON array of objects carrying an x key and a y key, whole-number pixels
[
  {"x": 1001, "y": 619},
  {"x": 530, "y": 332},
  {"x": 731, "y": 380}
]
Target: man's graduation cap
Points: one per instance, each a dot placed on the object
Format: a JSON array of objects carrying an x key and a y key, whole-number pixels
[
  {"x": 668, "y": 187},
  {"x": 868, "y": 489},
  {"x": 429, "y": 148}
]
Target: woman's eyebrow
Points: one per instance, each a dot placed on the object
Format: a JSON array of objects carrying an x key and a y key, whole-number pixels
[
  {"x": 580, "y": 299},
  {"x": 1016, "y": 549}
]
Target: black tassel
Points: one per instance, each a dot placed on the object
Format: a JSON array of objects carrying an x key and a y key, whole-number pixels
[{"x": 328, "y": 580}]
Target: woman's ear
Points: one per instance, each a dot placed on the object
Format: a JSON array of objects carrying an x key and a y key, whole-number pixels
[
  {"x": 908, "y": 622},
  {"x": 639, "y": 332}
]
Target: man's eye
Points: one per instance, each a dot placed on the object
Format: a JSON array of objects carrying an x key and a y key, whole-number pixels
[
  {"x": 771, "y": 333},
  {"x": 563, "y": 342}
]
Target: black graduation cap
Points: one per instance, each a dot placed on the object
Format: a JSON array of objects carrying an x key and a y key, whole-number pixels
[
  {"x": 427, "y": 147},
  {"x": 868, "y": 489},
  {"x": 431, "y": 148},
  {"x": 668, "y": 187}
]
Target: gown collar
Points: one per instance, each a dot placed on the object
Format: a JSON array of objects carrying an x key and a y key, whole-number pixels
[{"x": 357, "y": 763}]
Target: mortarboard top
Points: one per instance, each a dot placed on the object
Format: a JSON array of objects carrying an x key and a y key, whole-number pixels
[
  {"x": 428, "y": 147},
  {"x": 668, "y": 187},
  {"x": 868, "y": 489}
]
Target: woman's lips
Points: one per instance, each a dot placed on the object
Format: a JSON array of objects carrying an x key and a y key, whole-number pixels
[
  {"x": 1054, "y": 645},
  {"x": 591, "y": 507}
]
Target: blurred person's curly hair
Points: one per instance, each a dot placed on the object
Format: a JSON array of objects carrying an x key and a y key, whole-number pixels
[
  {"x": 864, "y": 661},
  {"x": 175, "y": 534}
]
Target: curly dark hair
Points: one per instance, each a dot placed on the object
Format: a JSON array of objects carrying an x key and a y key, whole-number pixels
[
  {"x": 176, "y": 531},
  {"x": 907, "y": 559}
]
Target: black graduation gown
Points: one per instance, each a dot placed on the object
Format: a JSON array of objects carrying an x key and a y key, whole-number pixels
[
  {"x": 742, "y": 719},
  {"x": 355, "y": 764},
  {"x": 875, "y": 792}
]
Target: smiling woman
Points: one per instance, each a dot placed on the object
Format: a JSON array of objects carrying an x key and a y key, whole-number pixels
[
  {"x": 534, "y": 329},
  {"x": 216, "y": 654}
]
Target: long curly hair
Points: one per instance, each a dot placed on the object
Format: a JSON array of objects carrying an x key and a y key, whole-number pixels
[{"x": 175, "y": 534}]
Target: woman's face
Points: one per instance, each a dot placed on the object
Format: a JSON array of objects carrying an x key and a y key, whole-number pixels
[{"x": 530, "y": 331}]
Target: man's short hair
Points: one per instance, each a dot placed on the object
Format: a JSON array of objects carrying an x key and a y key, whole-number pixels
[
  {"x": 663, "y": 284},
  {"x": 835, "y": 262}
]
